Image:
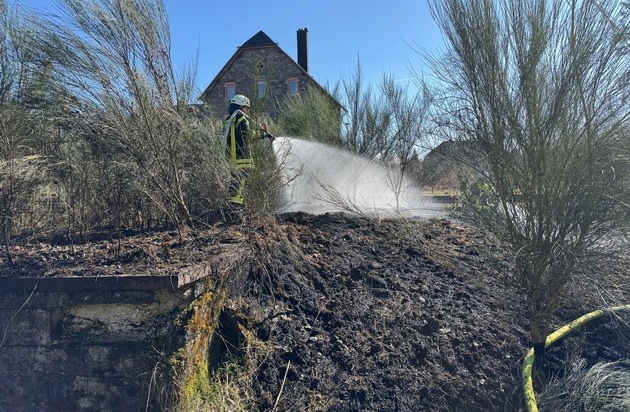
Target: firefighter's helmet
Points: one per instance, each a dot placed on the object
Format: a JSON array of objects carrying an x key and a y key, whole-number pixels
[{"x": 240, "y": 100}]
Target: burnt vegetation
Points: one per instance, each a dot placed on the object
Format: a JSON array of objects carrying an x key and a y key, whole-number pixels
[{"x": 106, "y": 161}]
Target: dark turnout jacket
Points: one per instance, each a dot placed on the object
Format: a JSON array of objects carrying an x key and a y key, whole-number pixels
[{"x": 237, "y": 134}]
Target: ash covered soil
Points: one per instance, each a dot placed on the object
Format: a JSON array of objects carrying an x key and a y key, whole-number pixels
[
  {"x": 379, "y": 316},
  {"x": 359, "y": 314}
]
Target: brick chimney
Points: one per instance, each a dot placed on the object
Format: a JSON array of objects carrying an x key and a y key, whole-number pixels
[{"x": 302, "y": 48}]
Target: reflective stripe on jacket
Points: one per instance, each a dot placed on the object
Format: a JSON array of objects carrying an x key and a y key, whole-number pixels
[{"x": 237, "y": 140}]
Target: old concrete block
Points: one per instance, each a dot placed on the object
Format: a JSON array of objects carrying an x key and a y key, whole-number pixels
[
  {"x": 83, "y": 349},
  {"x": 123, "y": 296},
  {"x": 94, "y": 394},
  {"x": 17, "y": 394},
  {"x": 117, "y": 361},
  {"x": 18, "y": 360},
  {"x": 33, "y": 300},
  {"x": 123, "y": 322},
  {"x": 25, "y": 327}
]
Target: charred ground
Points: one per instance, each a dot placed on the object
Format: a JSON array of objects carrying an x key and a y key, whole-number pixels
[{"x": 358, "y": 314}]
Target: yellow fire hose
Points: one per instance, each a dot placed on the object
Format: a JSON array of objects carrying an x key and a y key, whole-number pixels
[{"x": 528, "y": 363}]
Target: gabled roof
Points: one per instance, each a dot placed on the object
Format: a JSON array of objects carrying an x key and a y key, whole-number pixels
[{"x": 260, "y": 39}]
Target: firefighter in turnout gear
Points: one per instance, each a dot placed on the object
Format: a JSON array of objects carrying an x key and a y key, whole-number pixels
[{"x": 237, "y": 134}]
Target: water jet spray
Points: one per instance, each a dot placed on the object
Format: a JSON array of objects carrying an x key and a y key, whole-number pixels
[{"x": 319, "y": 178}]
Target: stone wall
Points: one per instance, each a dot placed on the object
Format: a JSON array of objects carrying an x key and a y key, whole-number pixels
[
  {"x": 268, "y": 62},
  {"x": 88, "y": 344}
]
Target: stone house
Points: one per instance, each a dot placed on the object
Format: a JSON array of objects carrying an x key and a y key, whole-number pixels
[
  {"x": 445, "y": 165},
  {"x": 264, "y": 73}
]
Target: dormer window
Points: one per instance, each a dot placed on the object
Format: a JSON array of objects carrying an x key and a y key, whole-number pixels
[{"x": 292, "y": 87}]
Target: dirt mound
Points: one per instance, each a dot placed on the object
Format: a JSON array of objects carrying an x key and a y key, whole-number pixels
[
  {"x": 382, "y": 316},
  {"x": 357, "y": 314}
]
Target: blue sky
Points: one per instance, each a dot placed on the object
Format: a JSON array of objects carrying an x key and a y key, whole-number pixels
[{"x": 340, "y": 32}]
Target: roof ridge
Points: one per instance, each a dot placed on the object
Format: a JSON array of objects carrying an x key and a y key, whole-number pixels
[{"x": 259, "y": 39}]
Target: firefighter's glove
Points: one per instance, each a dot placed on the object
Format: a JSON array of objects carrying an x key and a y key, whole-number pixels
[{"x": 266, "y": 134}]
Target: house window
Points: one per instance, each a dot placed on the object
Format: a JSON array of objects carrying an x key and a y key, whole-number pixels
[
  {"x": 262, "y": 87},
  {"x": 292, "y": 87},
  {"x": 230, "y": 90}
]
